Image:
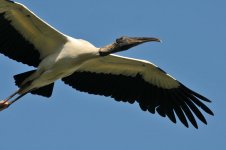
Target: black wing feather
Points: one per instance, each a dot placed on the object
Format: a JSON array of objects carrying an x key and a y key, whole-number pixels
[
  {"x": 15, "y": 46},
  {"x": 167, "y": 102}
]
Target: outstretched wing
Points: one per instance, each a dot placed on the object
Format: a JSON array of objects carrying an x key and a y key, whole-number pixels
[
  {"x": 130, "y": 80},
  {"x": 24, "y": 37}
]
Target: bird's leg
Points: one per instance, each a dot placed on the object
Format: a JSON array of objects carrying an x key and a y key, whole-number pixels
[
  {"x": 11, "y": 102},
  {"x": 11, "y": 96},
  {"x": 6, "y": 103}
]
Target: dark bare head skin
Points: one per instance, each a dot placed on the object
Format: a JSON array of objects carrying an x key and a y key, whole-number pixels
[{"x": 124, "y": 43}]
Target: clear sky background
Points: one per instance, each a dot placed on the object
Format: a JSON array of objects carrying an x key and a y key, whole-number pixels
[{"x": 193, "y": 51}]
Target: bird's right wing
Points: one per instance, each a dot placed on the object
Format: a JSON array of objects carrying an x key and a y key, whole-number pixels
[
  {"x": 130, "y": 80},
  {"x": 24, "y": 37}
]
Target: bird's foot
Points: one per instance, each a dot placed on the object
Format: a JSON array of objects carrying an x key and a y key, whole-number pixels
[{"x": 4, "y": 104}]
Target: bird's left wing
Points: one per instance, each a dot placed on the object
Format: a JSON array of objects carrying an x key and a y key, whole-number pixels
[
  {"x": 130, "y": 80},
  {"x": 24, "y": 37}
]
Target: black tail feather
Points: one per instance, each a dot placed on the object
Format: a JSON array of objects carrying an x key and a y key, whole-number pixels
[
  {"x": 19, "y": 78},
  {"x": 45, "y": 91}
]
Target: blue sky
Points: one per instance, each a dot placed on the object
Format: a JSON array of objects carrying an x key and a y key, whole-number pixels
[{"x": 193, "y": 51}]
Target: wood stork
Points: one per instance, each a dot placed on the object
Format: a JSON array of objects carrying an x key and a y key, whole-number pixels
[{"x": 26, "y": 38}]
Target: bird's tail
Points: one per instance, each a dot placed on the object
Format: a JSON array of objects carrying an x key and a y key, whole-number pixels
[
  {"x": 45, "y": 91},
  {"x": 19, "y": 78}
]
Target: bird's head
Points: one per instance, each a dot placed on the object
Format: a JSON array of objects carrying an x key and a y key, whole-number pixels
[{"x": 124, "y": 43}]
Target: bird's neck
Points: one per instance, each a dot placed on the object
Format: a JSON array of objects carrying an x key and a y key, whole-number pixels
[{"x": 108, "y": 49}]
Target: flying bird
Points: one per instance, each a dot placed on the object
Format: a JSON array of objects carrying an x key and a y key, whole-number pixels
[{"x": 26, "y": 38}]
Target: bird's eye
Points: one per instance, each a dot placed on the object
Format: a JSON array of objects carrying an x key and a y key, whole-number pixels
[{"x": 119, "y": 40}]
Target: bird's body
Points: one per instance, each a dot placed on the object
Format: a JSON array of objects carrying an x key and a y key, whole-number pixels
[
  {"x": 26, "y": 38},
  {"x": 62, "y": 63}
]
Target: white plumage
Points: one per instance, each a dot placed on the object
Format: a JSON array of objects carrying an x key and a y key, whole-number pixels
[{"x": 26, "y": 38}]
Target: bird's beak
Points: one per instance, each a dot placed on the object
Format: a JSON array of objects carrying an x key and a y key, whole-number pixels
[
  {"x": 139, "y": 40},
  {"x": 125, "y": 43}
]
